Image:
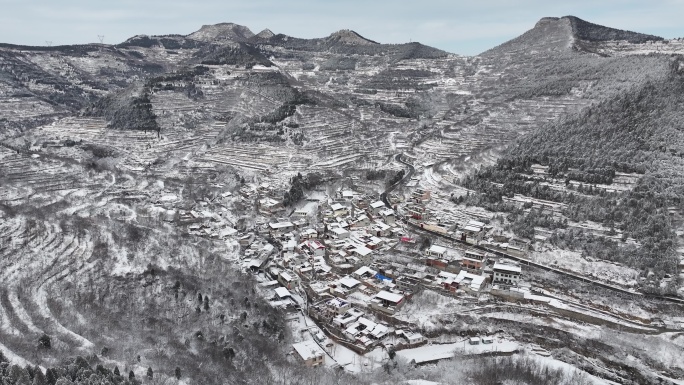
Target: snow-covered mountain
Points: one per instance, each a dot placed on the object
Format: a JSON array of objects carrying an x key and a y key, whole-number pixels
[{"x": 134, "y": 178}]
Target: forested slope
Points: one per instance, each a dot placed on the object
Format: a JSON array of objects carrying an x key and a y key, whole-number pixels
[{"x": 637, "y": 132}]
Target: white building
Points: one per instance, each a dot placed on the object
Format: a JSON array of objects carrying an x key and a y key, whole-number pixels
[
  {"x": 348, "y": 283},
  {"x": 387, "y": 302},
  {"x": 413, "y": 339},
  {"x": 349, "y": 317},
  {"x": 310, "y": 352},
  {"x": 339, "y": 209},
  {"x": 316, "y": 248},
  {"x": 361, "y": 221},
  {"x": 300, "y": 213},
  {"x": 337, "y": 306},
  {"x": 437, "y": 251},
  {"x": 377, "y": 206},
  {"x": 506, "y": 274},
  {"x": 470, "y": 282},
  {"x": 288, "y": 279},
  {"x": 388, "y": 216},
  {"x": 366, "y": 331},
  {"x": 364, "y": 272},
  {"x": 339, "y": 233},
  {"x": 363, "y": 253},
  {"x": 281, "y": 227}
]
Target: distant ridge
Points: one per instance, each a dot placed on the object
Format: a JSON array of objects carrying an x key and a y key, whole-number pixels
[
  {"x": 241, "y": 44},
  {"x": 554, "y": 34},
  {"x": 549, "y": 34},
  {"x": 346, "y": 41},
  {"x": 347, "y": 36},
  {"x": 585, "y": 30},
  {"x": 265, "y": 34},
  {"x": 222, "y": 31}
]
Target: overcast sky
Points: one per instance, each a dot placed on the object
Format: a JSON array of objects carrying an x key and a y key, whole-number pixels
[{"x": 463, "y": 27}]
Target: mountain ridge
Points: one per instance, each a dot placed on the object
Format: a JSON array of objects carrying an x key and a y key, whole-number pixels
[
  {"x": 549, "y": 33},
  {"x": 222, "y": 31},
  {"x": 562, "y": 34}
]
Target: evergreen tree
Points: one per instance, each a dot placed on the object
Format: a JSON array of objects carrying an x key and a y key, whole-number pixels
[
  {"x": 31, "y": 371},
  {"x": 178, "y": 373},
  {"x": 131, "y": 376},
  {"x": 18, "y": 376},
  {"x": 45, "y": 341},
  {"x": 150, "y": 373},
  {"x": 39, "y": 378},
  {"x": 116, "y": 371},
  {"x": 51, "y": 376}
]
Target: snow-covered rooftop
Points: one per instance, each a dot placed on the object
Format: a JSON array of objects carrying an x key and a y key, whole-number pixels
[
  {"x": 507, "y": 268},
  {"x": 337, "y": 207},
  {"x": 280, "y": 225},
  {"x": 336, "y": 302},
  {"x": 437, "y": 249},
  {"x": 475, "y": 281},
  {"x": 364, "y": 270},
  {"x": 391, "y": 297},
  {"x": 308, "y": 349},
  {"x": 282, "y": 292},
  {"x": 348, "y": 281},
  {"x": 363, "y": 250},
  {"x": 387, "y": 212},
  {"x": 472, "y": 228}
]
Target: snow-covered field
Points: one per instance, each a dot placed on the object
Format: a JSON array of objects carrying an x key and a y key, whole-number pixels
[
  {"x": 573, "y": 261},
  {"x": 431, "y": 353}
]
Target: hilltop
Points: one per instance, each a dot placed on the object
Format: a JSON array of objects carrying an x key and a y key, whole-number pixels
[
  {"x": 222, "y": 31},
  {"x": 560, "y": 34}
]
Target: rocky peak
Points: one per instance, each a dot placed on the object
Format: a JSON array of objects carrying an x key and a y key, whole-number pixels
[
  {"x": 222, "y": 31},
  {"x": 347, "y": 36},
  {"x": 265, "y": 34}
]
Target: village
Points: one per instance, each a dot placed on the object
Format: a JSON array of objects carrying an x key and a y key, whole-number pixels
[
  {"x": 363, "y": 276},
  {"x": 347, "y": 266},
  {"x": 350, "y": 271},
  {"x": 344, "y": 264}
]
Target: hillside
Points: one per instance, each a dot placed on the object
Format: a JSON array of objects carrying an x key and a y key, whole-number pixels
[
  {"x": 144, "y": 186},
  {"x": 585, "y": 30},
  {"x": 636, "y": 132},
  {"x": 553, "y": 34}
]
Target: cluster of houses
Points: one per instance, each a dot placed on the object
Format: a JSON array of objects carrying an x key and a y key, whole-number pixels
[
  {"x": 207, "y": 217},
  {"x": 470, "y": 230},
  {"x": 415, "y": 208},
  {"x": 335, "y": 260},
  {"x": 329, "y": 266},
  {"x": 336, "y": 263}
]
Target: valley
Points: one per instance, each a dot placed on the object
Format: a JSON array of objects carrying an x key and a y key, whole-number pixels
[{"x": 236, "y": 208}]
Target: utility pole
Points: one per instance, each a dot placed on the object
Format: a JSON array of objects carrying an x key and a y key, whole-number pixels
[
  {"x": 101, "y": 38},
  {"x": 48, "y": 43}
]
